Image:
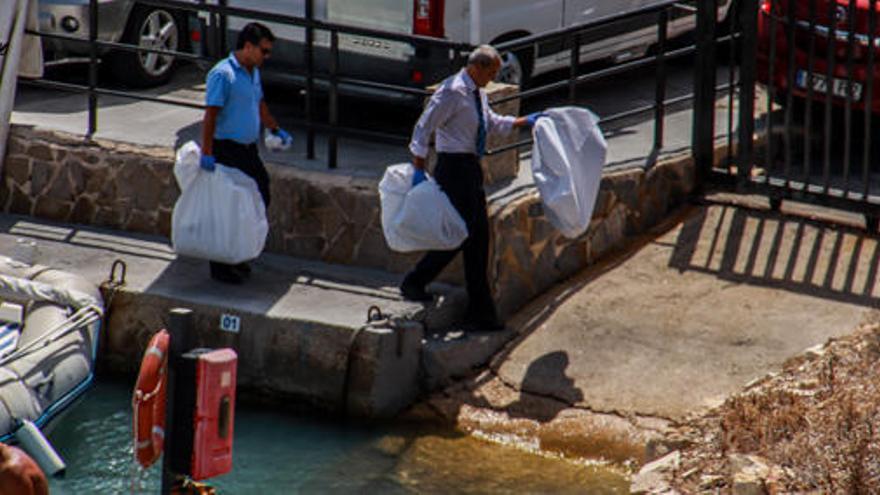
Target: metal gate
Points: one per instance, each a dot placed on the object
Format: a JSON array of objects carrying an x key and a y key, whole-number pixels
[{"x": 806, "y": 105}]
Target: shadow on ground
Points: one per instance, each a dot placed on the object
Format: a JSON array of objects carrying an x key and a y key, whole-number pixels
[{"x": 786, "y": 253}]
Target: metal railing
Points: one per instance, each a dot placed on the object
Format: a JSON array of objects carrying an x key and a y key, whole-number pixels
[
  {"x": 334, "y": 75},
  {"x": 806, "y": 105}
]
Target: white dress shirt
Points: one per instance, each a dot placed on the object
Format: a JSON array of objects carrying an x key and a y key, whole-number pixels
[{"x": 452, "y": 114}]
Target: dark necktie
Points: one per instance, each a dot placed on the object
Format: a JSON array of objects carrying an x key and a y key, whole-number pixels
[{"x": 481, "y": 124}]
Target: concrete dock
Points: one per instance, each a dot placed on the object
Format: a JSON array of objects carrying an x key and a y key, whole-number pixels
[{"x": 302, "y": 330}]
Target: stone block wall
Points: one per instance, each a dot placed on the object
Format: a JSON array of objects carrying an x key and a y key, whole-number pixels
[
  {"x": 60, "y": 177},
  {"x": 313, "y": 214},
  {"x": 324, "y": 216}
]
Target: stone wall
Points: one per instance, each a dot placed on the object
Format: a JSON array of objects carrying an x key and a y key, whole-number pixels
[
  {"x": 313, "y": 214},
  {"x": 325, "y": 216}
]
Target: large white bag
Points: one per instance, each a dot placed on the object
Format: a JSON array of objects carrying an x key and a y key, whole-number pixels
[
  {"x": 567, "y": 160},
  {"x": 418, "y": 218},
  {"x": 220, "y": 215}
]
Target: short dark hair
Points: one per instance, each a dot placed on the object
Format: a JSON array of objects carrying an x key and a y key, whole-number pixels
[{"x": 253, "y": 33}]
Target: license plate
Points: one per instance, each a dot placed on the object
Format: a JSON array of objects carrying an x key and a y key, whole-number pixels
[{"x": 841, "y": 88}]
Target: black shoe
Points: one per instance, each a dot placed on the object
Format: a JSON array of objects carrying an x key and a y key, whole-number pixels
[
  {"x": 491, "y": 325},
  {"x": 243, "y": 269},
  {"x": 415, "y": 293},
  {"x": 226, "y": 274}
]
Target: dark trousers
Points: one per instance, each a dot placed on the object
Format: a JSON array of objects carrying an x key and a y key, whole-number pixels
[
  {"x": 461, "y": 178},
  {"x": 246, "y": 158}
]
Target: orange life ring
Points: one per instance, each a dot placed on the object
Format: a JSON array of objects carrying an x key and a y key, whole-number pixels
[{"x": 148, "y": 402}]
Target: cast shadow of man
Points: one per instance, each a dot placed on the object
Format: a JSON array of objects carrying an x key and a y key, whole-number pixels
[{"x": 545, "y": 389}]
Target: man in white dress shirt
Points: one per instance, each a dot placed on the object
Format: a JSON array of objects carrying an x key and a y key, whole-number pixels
[{"x": 460, "y": 116}]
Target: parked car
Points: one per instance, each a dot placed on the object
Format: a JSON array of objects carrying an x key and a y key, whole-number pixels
[
  {"x": 830, "y": 42},
  {"x": 123, "y": 21},
  {"x": 392, "y": 62}
]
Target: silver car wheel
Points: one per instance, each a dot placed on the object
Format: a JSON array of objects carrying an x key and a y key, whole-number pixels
[
  {"x": 159, "y": 32},
  {"x": 511, "y": 69}
]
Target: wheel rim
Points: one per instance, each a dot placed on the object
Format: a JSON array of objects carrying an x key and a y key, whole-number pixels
[
  {"x": 511, "y": 71},
  {"x": 158, "y": 32}
]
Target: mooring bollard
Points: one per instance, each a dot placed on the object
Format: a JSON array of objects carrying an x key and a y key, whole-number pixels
[{"x": 179, "y": 326}]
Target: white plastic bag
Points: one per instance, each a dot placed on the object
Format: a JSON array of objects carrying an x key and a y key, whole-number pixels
[
  {"x": 567, "y": 160},
  {"x": 275, "y": 143},
  {"x": 220, "y": 215},
  {"x": 418, "y": 218},
  {"x": 186, "y": 167}
]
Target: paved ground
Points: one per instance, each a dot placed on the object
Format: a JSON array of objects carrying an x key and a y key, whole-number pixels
[
  {"x": 722, "y": 297},
  {"x": 282, "y": 287}
]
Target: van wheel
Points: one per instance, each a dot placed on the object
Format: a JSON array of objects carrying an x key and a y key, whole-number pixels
[
  {"x": 516, "y": 68},
  {"x": 148, "y": 27}
]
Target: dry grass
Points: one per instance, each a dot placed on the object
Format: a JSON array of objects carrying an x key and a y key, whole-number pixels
[{"x": 816, "y": 422}]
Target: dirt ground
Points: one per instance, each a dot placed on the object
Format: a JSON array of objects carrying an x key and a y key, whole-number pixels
[{"x": 813, "y": 426}]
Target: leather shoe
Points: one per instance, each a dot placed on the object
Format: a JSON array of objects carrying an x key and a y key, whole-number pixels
[
  {"x": 243, "y": 269},
  {"x": 415, "y": 293},
  {"x": 226, "y": 274}
]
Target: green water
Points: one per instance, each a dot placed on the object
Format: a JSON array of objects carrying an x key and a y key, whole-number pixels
[{"x": 280, "y": 453}]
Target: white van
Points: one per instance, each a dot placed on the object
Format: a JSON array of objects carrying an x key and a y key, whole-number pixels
[{"x": 463, "y": 21}]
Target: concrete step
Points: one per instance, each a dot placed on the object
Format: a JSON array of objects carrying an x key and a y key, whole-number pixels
[{"x": 302, "y": 325}]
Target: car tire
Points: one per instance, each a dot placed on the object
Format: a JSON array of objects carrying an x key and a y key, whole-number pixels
[
  {"x": 150, "y": 27},
  {"x": 516, "y": 68}
]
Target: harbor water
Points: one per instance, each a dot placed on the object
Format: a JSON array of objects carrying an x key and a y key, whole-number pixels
[{"x": 277, "y": 452}]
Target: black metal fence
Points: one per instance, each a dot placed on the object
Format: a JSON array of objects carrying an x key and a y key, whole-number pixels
[
  {"x": 330, "y": 75},
  {"x": 805, "y": 108}
]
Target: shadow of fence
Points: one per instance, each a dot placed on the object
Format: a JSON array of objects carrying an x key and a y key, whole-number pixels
[{"x": 794, "y": 254}]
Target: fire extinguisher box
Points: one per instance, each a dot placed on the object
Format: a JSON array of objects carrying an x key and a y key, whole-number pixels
[{"x": 204, "y": 413}]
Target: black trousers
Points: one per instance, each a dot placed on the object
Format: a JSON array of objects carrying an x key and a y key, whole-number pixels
[
  {"x": 461, "y": 178},
  {"x": 245, "y": 157}
]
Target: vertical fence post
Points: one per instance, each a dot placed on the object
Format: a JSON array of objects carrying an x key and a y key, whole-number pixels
[
  {"x": 223, "y": 25},
  {"x": 310, "y": 80},
  {"x": 93, "y": 68},
  {"x": 703, "y": 133},
  {"x": 458, "y": 58},
  {"x": 179, "y": 329},
  {"x": 573, "y": 69},
  {"x": 747, "y": 73},
  {"x": 660, "y": 90},
  {"x": 869, "y": 98},
  {"x": 334, "y": 99}
]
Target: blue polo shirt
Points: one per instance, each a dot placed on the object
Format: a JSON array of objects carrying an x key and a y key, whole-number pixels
[{"x": 238, "y": 93}]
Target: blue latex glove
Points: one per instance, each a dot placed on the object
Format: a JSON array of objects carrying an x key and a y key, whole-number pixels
[
  {"x": 533, "y": 117},
  {"x": 207, "y": 163},
  {"x": 419, "y": 176},
  {"x": 285, "y": 136}
]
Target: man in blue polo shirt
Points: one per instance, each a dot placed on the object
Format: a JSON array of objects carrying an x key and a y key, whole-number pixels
[{"x": 231, "y": 125}]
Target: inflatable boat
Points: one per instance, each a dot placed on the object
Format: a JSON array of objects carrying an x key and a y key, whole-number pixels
[{"x": 49, "y": 326}]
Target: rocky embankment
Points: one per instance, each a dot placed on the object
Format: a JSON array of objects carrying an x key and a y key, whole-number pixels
[{"x": 810, "y": 428}]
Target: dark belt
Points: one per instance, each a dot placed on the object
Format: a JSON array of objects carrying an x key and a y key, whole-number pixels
[
  {"x": 458, "y": 156},
  {"x": 229, "y": 143}
]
